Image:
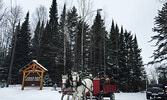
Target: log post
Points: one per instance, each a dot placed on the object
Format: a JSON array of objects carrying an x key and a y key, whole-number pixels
[
  {"x": 23, "y": 81},
  {"x": 41, "y": 84}
]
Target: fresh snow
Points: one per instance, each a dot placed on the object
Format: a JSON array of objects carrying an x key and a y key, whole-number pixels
[
  {"x": 48, "y": 93},
  {"x": 39, "y": 64}
]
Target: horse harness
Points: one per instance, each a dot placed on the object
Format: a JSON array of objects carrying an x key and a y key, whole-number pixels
[
  {"x": 81, "y": 83},
  {"x": 85, "y": 87}
]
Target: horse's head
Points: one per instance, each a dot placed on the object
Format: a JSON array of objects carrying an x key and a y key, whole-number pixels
[
  {"x": 64, "y": 81},
  {"x": 75, "y": 78}
]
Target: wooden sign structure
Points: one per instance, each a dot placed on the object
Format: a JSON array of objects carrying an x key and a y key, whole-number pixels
[{"x": 33, "y": 75}]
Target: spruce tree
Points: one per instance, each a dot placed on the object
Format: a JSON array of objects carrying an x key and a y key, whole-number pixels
[
  {"x": 36, "y": 41},
  {"x": 160, "y": 38},
  {"x": 22, "y": 52},
  {"x": 139, "y": 73},
  {"x": 72, "y": 20},
  {"x": 113, "y": 51},
  {"x": 53, "y": 15},
  {"x": 45, "y": 56},
  {"x": 78, "y": 47},
  {"x": 87, "y": 49},
  {"x": 51, "y": 46},
  {"x": 128, "y": 62},
  {"x": 159, "y": 54},
  {"x": 122, "y": 61},
  {"x": 4, "y": 67},
  {"x": 56, "y": 43},
  {"x": 98, "y": 32},
  {"x": 63, "y": 33}
]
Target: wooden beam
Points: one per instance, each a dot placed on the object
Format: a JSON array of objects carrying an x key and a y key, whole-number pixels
[
  {"x": 23, "y": 81},
  {"x": 39, "y": 75},
  {"x": 27, "y": 74},
  {"x": 41, "y": 84}
]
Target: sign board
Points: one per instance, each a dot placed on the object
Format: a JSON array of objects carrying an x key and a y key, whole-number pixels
[{"x": 33, "y": 79}]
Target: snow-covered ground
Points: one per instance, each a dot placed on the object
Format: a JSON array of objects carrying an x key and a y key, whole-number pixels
[{"x": 48, "y": 93}]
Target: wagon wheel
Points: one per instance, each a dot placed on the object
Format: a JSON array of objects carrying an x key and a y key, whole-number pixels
[{"x": 112, "y": 96}]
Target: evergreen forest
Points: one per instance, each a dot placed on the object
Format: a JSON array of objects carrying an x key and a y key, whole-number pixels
[{"x": 68, "y": 43}]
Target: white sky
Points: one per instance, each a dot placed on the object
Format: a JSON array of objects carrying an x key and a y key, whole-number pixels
[{"x": 136, "y": 16}]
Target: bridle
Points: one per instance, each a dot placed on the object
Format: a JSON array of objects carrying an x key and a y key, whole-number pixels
[
  {"x": 74, "y": 78},
  {"x": 64, "y": 77}
]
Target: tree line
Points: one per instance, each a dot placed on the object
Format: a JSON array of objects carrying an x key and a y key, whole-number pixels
[
  {"x": 56, "y": 44},
  {"x": 159, "y": 54}
]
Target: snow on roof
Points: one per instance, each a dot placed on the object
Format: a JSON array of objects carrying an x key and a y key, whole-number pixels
[{"x": 39, "y": 64}]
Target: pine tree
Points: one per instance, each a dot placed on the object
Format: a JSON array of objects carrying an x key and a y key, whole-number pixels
[
  {"x": 22, "y": 52},
  {"x": 159, "y": 54},
  {"x": 56, "y": 43},
  {"x": 4, "y": 67},
  {"x": 138, "y": 70},
  {"x": 37, "y": 40},
  {"x": 53, "y": 15},
  {"x": 47, "y": 80},
  {"x": 51, "y": 46},
  {"x": 63, "y": 33},
  {"x": 45, "y": 56},
  {"x": 113, "y": 52},
  {"x": 98, "y": 32},
  {"x": 122, "y": 61},
  {"x": 72, "y": 20},
  {"x": 87, "y": 50},
  {"x": 128, "y": 56},
  {"x": 78, "y": 47}
]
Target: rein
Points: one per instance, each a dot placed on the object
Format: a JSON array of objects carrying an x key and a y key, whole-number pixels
[
  {"x": 86, "y": 86},
  {"x": 81, "y": 84}
]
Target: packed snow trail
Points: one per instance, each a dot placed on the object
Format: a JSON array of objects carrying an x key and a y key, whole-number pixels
[{"x": 48, "y": 93}]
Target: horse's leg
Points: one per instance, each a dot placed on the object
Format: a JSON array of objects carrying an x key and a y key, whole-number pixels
[
  {"x": 90, "y": 95},
  {"x": 84, "y": 96},
  {"x": 62, "y": 96},
  {"x": 79, "y": 97},
  {"x": 74, "y": 95},
  {"x": 68, "y": 97}
]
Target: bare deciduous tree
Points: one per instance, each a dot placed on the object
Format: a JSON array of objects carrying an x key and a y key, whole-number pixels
[
  {"x": 3, "y": 29},
  {"x": 39, "y": 14},
  {"x": 85, "y": 9},
  {"x": 2, "y": 12},
  {"x": 13, "y": 17}
]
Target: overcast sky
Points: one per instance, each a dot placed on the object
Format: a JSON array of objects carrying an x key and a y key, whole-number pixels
[{"x": 136, "y": 16}]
